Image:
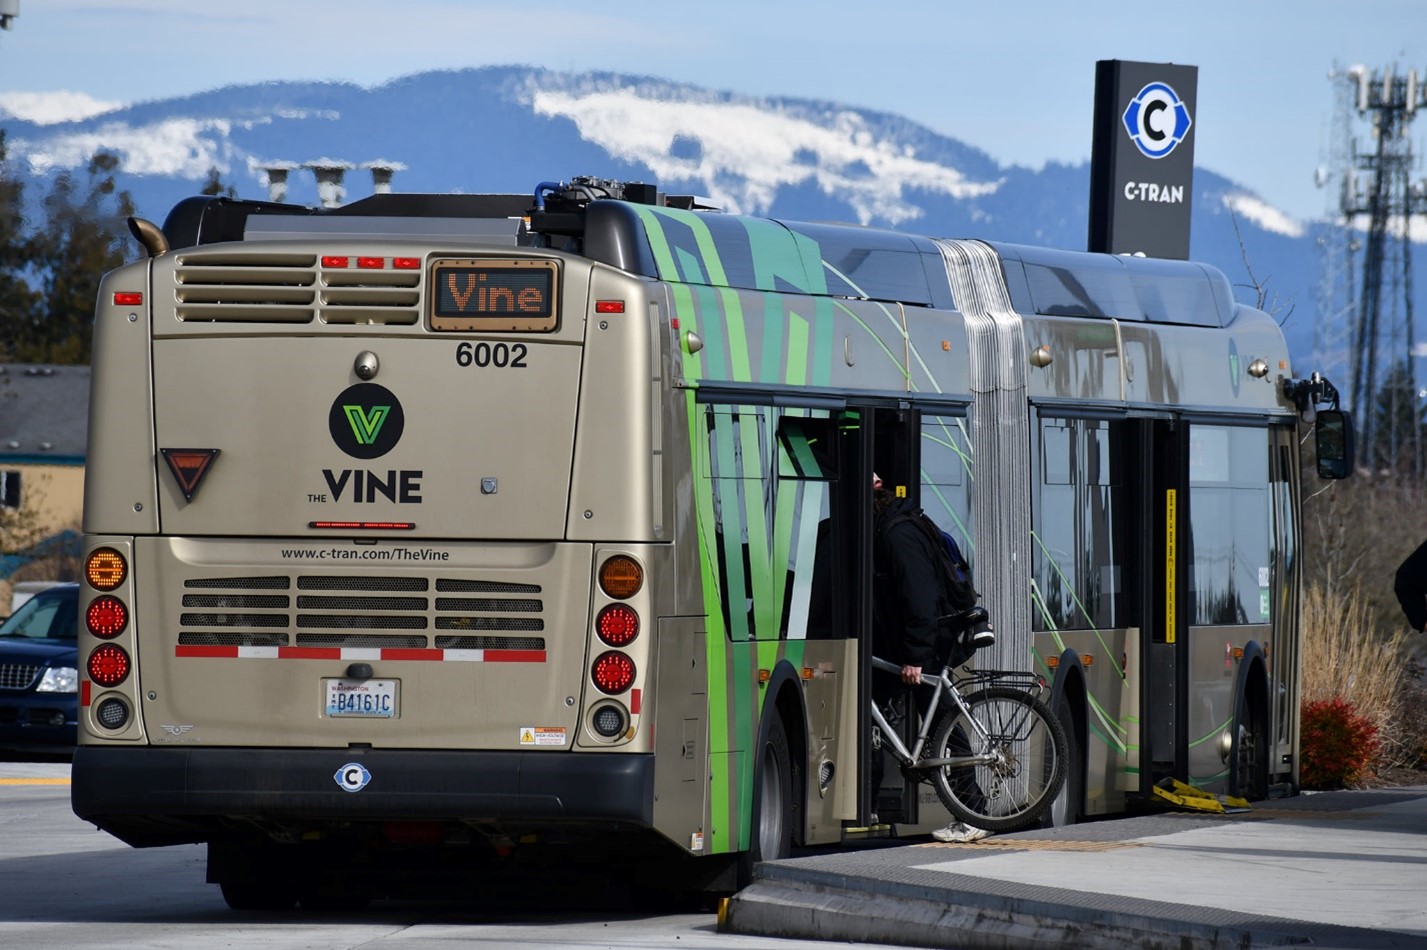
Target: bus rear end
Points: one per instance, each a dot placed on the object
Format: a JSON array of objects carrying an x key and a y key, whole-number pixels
[{"x": 369, "y": 517}]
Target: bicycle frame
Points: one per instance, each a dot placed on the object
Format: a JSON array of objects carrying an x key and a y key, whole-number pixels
[{"x": 942, "y": 683}]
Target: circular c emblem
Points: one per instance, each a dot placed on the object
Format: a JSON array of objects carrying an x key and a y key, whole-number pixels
[
  {"x": 352, "y": 777},
  {"x": 1157, "y": 120},
  {"x": 366, "y": 421}
]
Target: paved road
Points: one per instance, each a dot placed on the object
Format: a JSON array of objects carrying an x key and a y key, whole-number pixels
[{"x": 64, "y": 884}]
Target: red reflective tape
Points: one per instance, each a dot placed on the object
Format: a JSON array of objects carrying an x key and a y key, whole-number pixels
[
  {"x": 412, "y": 654},
  {"x": 634, "y": 701},
  {"x": 515, "y": 656},
  {"x": 309, "y": 653},
  {"x": 209, "y": 651},
  {"x": 336, "y": 653},
  {"x": 84, "y": 692}
]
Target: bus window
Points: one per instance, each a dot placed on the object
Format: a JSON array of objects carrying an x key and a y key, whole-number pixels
[
  {"x": 1078, "y": 523},
  {"x": 946, "y": 463},
  {"x": 772, "y": 472},
  {"x": 1230, "y": 525}
]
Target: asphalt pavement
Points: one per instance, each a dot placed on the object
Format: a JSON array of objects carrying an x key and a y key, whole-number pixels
[{"x": 1334, "y": 869}]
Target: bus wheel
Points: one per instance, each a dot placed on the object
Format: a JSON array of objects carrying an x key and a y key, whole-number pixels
[
  {"x": 1065, "y": 809},
  {"x": 258, "y": 895},
  {"x": 772, "y": 833},
  {"x": 1248, "y": 777}
]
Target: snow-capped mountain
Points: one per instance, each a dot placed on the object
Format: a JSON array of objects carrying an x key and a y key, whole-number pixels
[{"x": 505, "y": 129}]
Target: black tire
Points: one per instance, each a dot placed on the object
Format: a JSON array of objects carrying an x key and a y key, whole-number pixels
[
  {"x": 1030, "y": 749},
  {"x": 771, "y": 835},
  {"x": 258, "y": 895},
  {"x": 1249, "y": 753},
  {"x": 1065, "y": 810}
]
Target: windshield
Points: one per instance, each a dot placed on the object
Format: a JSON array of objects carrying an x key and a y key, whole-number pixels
[{"x": 49, "y": 615}]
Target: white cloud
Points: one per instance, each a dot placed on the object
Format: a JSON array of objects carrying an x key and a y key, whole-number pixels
[
  {"x": 48, "y": 108},
  {"x": 184, "y": 147},
  {"x": 744, "y": 152},
  {"x": 1263, "y": 214}
]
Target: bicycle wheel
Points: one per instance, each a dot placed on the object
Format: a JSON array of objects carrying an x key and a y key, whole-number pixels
[{"x": 1019, "y": 751}]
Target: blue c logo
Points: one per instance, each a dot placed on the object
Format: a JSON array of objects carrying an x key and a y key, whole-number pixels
[
  {"x": 352, "y": 777},
  {"x": 1157, "y": 120}
]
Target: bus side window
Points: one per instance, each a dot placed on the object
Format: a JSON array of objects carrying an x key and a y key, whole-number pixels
[{"x": 807, "y": 469}]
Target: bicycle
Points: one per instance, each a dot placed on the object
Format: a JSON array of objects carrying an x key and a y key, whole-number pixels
[{"x": 997, "y": 757}]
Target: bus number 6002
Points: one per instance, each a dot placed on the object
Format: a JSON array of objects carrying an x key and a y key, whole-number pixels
[{"x": 499, "y": 355}]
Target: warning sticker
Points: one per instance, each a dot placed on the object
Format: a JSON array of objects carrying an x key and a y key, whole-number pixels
[{"x": 542, "y": 735}]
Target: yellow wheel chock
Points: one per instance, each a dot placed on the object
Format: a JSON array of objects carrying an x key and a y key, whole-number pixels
[{"x": 1181, "y": 795}]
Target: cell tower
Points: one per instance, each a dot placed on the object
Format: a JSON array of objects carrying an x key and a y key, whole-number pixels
[{"x": 1377, "y": 203}]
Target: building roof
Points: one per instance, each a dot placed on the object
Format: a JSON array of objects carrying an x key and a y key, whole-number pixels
[{"x": 44, "y": 411}]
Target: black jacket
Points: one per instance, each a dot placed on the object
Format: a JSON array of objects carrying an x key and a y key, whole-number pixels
[
  {"x": 1411, "y": 587},
  {"x": 906, "y": 594}
]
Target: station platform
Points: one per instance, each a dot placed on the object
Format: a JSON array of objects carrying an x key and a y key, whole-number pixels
[{"x": 1333, "y": 869}]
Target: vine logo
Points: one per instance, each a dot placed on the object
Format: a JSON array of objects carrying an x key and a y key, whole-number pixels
[
  {"x": 366, "y": 428},
  {"x": 366, "y": 421}
]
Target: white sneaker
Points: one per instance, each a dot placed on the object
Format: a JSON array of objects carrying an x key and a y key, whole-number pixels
[{"x": 960, "y": 833}]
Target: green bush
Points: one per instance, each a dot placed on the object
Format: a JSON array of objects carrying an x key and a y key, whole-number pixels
[{"x": 1336, "y": 744}]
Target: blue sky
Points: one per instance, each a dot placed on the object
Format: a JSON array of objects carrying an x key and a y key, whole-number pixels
[{"x": 1015, "y": 79}]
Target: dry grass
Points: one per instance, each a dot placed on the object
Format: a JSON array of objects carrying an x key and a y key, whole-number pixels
[{"x": 1344, "y": 655}]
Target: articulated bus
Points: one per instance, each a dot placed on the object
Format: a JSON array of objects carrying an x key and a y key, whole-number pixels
[{"x": 434, "y": 536}]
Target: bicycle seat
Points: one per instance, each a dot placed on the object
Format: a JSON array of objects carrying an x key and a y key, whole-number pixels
[
  {"x": 963, "y": 619},
  {"x": 972, "y": 626}
]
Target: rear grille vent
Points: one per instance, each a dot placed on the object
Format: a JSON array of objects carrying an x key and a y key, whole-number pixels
[
  {"x": 288, "y": 287},
  {"x": 363, "y": 583},
  {"x": 490, "y": 643},
  {"x": 17, "y": 675},
  {"x": 340, "y": 610},
  {"x": 216, "y": 639}
]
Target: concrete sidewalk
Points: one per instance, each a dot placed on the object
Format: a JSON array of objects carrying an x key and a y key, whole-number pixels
[{"x": 1336, "y": 869}]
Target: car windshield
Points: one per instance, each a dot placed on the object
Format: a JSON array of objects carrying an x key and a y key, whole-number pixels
[{"x": 46, "y": 616}]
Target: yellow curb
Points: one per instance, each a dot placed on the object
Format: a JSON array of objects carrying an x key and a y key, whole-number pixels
[{"x": 34, "y": 781}]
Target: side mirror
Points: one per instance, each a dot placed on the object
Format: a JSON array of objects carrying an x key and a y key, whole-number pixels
[{"x": 1333, "y": 443}]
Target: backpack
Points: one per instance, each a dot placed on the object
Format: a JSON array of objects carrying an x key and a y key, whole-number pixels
[{"x": 956, "y": 588}]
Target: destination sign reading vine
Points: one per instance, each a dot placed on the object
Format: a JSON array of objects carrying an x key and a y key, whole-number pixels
[{"x": 513, "y": 294}]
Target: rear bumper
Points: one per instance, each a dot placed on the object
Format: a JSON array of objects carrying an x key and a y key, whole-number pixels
[{"x": 151, "y": 796}]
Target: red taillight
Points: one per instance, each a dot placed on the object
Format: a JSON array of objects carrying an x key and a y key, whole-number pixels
[
  {"x": 108, "y": 665},
  {"x": 609, "y": 306},
  {"x": 106, "y": 617},
  {"x": 105, "y": 569},
  {"x": 406, "y": 263},
  {"x": 617, "y": 625},
  {"x": 613, "y": 672},
  {"x": 334, "y": 261},
  {"x": 127, "y": 299},
  {"x": 371, "y": 263}
]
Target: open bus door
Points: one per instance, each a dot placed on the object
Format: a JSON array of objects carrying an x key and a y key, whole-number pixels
[{"x": 891, "y": 446}]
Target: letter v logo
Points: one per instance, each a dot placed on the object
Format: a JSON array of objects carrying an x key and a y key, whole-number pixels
[
  {"x": 366, "y": 420},
  {"x": 366, "y": 425}
]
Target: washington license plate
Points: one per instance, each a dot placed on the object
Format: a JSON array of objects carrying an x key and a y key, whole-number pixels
[{"x": 360, "y": 699}]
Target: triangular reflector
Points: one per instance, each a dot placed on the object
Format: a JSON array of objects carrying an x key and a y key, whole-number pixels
[{"x": 189, "y": 466}]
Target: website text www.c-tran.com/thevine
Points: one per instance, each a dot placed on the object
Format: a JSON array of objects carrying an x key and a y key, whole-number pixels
[{"x": 364, "y": 554}]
